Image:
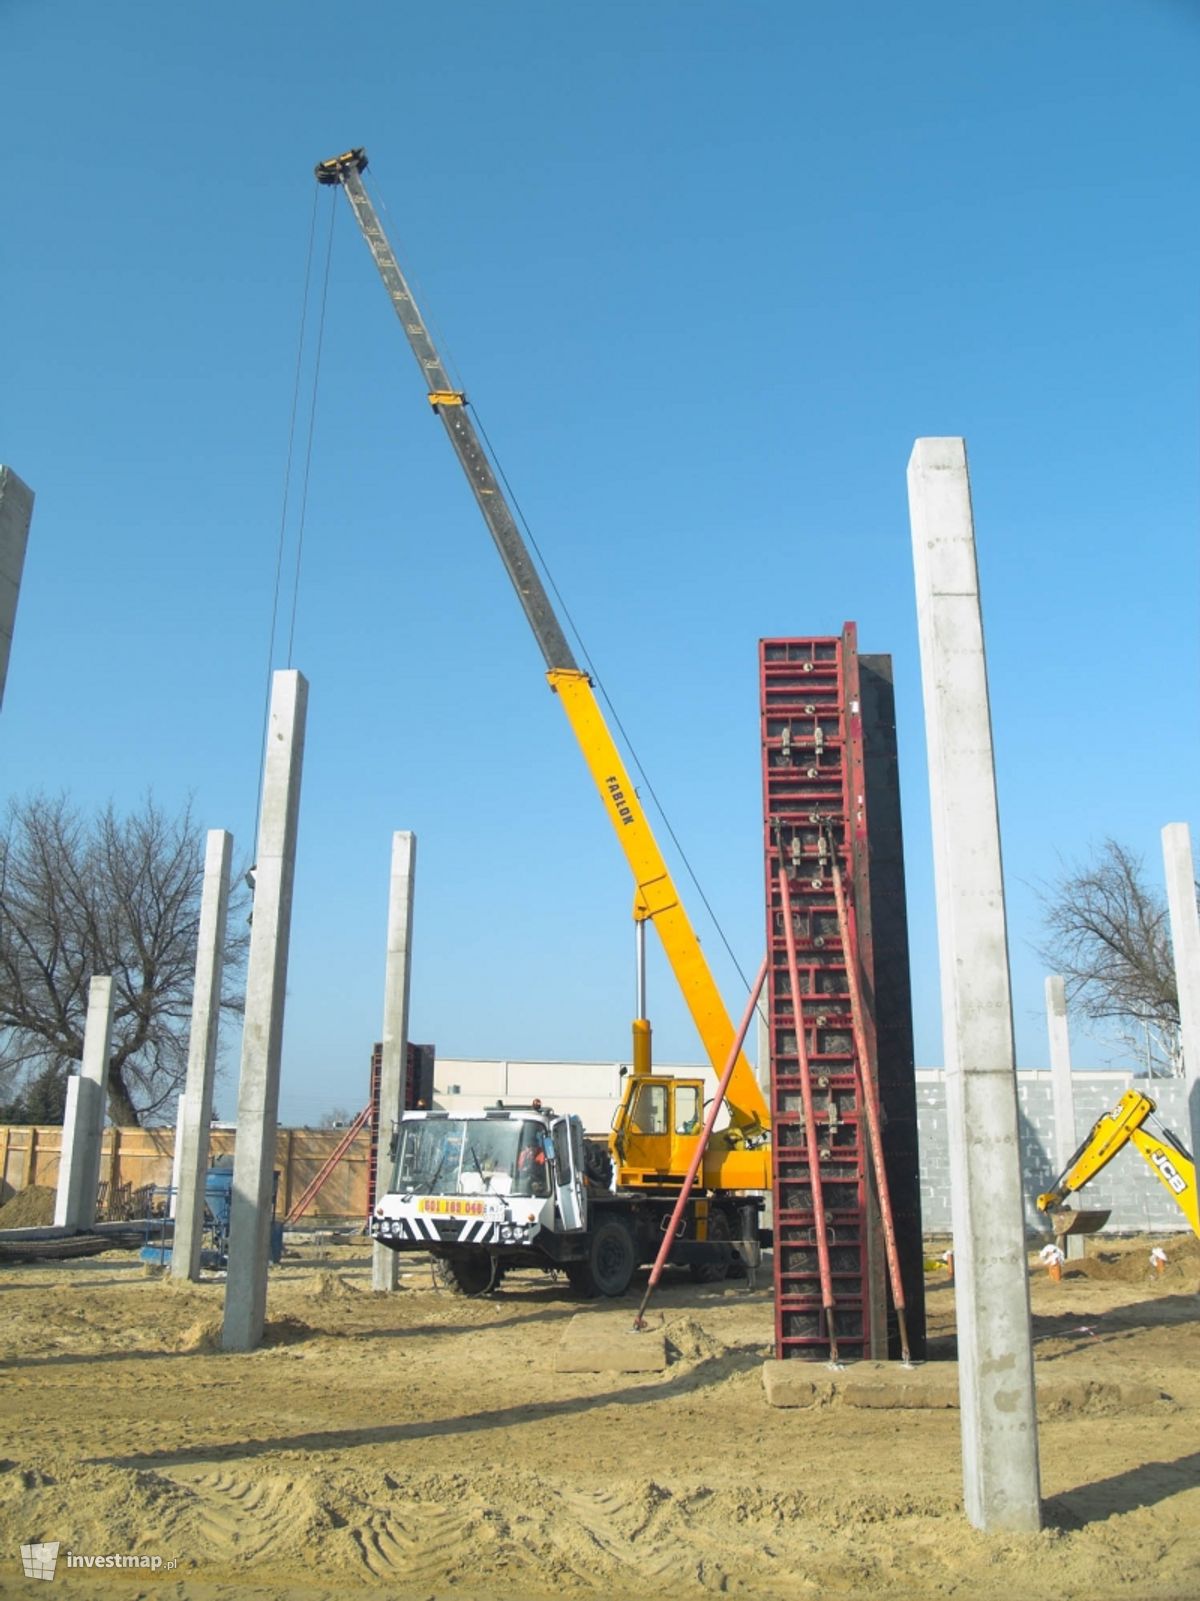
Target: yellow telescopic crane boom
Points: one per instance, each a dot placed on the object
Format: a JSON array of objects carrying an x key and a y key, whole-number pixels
[{"x": 656, "y": 898}]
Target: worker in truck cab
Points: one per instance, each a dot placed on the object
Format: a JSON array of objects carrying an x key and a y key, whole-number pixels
[{"x": 533, "y": 1171}]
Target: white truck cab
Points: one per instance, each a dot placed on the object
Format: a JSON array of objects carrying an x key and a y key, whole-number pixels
[{"x": 496, "y": 1178}]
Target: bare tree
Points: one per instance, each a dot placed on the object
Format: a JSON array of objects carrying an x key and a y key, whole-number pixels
[
  {"x": 1108, "y": 934},
  {"x": 118, "y": 895}
]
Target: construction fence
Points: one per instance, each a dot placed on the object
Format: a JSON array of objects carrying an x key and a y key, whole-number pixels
[{"x": 137, "y": 1157}]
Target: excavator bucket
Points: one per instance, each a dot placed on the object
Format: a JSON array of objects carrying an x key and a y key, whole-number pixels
[{"x": 1074, "y": 1220}]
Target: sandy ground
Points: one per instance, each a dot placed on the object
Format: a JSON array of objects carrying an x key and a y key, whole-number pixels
[{"x": 419, "y": 1447}]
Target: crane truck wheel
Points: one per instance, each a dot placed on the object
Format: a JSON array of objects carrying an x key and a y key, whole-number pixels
[
  {"x": 471, "y": 1274},
  {"x": 609, "y": 1267},
  {"x": 714, "y": 1272}
]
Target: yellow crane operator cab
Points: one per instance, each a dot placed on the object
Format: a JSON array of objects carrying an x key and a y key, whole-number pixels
[{"x": 658, "y": 1124}]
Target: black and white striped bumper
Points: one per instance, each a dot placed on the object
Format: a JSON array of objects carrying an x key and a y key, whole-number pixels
[{"x": 425, "y": 1231}]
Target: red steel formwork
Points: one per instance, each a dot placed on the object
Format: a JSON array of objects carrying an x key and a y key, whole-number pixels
[{"x": 814, "y": 795}]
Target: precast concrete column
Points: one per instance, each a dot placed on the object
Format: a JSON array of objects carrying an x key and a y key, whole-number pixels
[
  {"x": 83, "y": 1123},
  {"x": 995, "y": 1352},
  {"x": 70, "y": 1156},
  {"x": 262, "y": 1030},
  {"x": 196, "y": 1103},
  {"x": 762, "y": 1063},
  {"x": 1062, "y": 1089},
  {"x": 385, "y": 1264},
  {"x": 16, "y": 513},
  {"x": 1185, "y": 940},
  {"x": 176, "y": 1159},
  {"x": 762, "y": 1073}
]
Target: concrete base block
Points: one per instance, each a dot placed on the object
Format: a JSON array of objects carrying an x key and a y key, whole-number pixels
[
  {"x": 933, "y": 1386},
  {"x": 606, "y": 1342}
]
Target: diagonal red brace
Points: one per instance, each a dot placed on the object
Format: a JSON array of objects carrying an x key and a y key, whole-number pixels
[{"x": 668, "y": 1240}]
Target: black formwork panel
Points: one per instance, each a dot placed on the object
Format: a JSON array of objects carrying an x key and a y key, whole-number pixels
[{"x": 886, "y": 926}]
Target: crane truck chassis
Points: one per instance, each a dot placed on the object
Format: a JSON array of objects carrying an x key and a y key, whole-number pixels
[{"x": 509, "y": 1187}]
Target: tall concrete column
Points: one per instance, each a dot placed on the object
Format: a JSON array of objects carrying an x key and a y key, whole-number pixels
[
  {"x": 67, "y": 1198},
  {"x": 1185, "y": 939},
  {"x": 16, "y": 513},
  {"x": 385, "y": 1264},
  {"x": 83, "y": 1123},
  {"x": 995, "y": 1352},
  {"x": 762, "y": 1067},
  {"x": 176, "y": 1158},
  {"x": 762, "y": 1074},
  {"x": 192, "y": 1155},
  {"x": 262, "y": 1030},
  {"x": 1062, "y": 1089}
]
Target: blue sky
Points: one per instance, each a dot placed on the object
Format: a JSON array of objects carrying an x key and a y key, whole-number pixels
[{"x": 706, "y": 270}]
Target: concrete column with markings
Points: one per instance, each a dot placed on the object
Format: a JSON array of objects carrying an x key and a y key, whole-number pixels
[
  {"x": 1185, "y": 942},
  {"x": 16, "y": 513},
  {"x": 995, "y": 1352},
  {"x": 83, "y": 1123},
  {"x": 197, "y": 1097},
  {"x": 385, "y": 1264},
  {"x": 176, "y": 1158},
  {"x": 1062, "y": 1088},
  {"x": 262, "y": 1030}
]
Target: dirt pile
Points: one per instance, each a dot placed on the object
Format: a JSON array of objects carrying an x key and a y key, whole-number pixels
[
  {"x": 1129, "y": 1263},
  {"x": 203, "y": 1335},
  {"x": 689, "y": 1341},
  {"x": 30, "y": 1208},
  {"x": 332, "y": 1287}
]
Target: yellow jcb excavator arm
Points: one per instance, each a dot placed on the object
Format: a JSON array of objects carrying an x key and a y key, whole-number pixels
[{"x": 1124, "y": 1125}]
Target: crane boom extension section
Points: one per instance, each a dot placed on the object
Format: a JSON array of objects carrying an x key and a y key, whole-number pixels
[
  {"x": 449, "y": 404},
  {"x": 656, "y": 898}
]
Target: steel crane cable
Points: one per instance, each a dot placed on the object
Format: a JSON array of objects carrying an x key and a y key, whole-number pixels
[
  {"x": 598, "y": 681},
  {"x": 287, "y": 483}
]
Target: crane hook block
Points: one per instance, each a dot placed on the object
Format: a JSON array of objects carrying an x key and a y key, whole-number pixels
[{"x": 331, "y": 171}]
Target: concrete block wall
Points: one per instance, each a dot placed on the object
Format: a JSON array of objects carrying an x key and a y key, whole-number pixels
[{"x": 1139, "y": 1203}]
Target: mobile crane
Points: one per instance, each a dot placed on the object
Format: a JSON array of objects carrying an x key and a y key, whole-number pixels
[
  {"x": 472, "y": 1221},
  {"x": 1125, "y": 1125}
]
